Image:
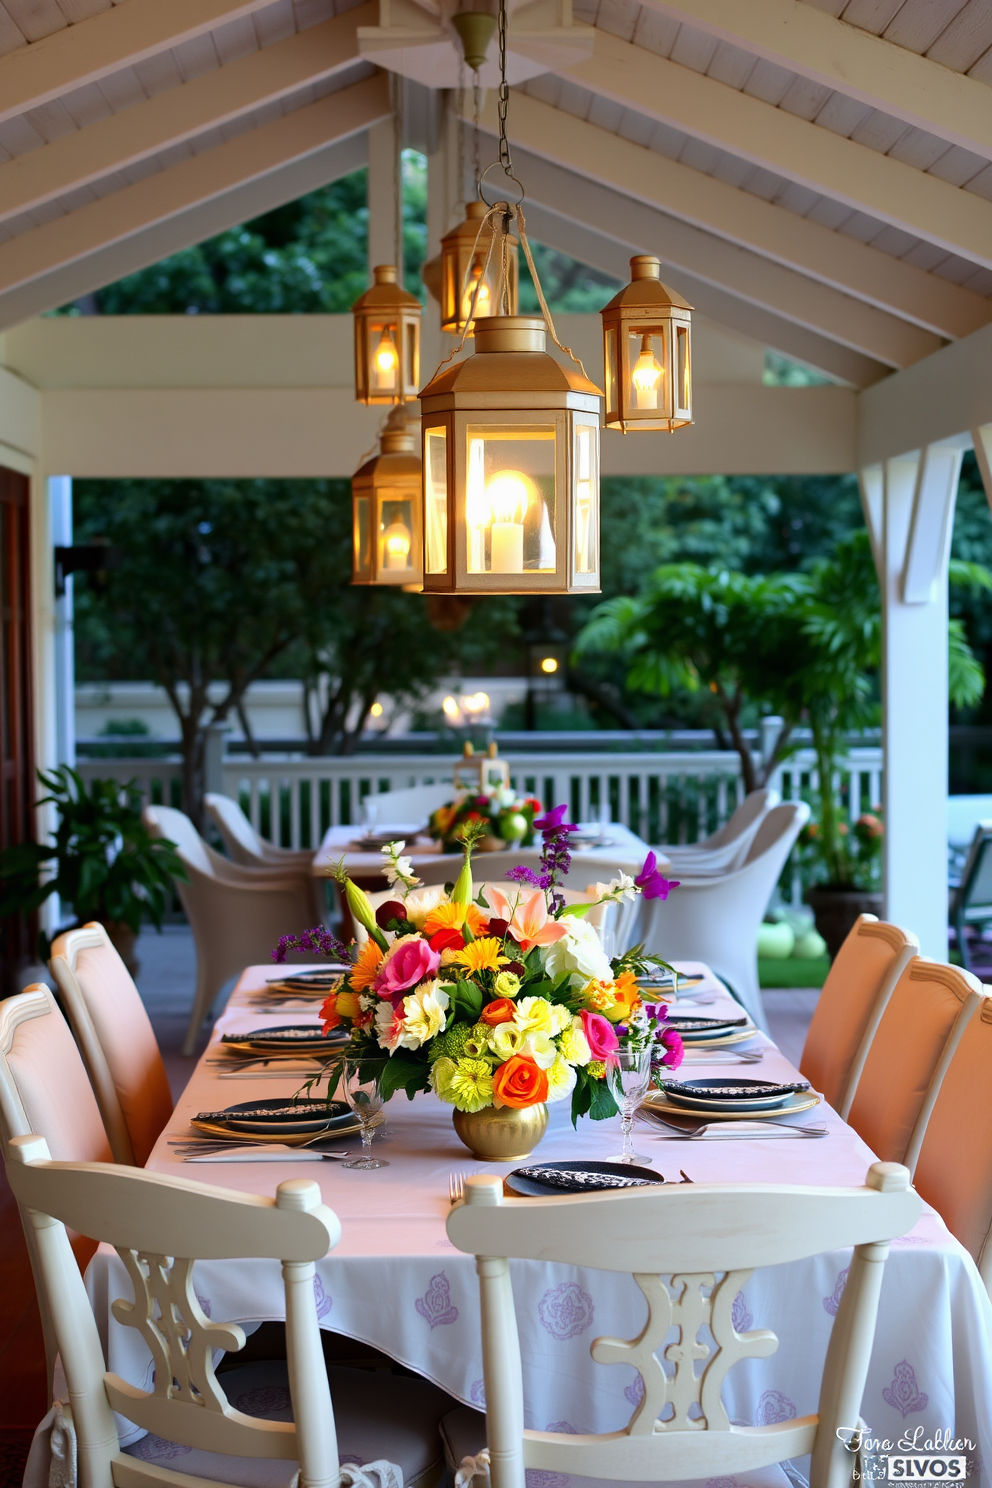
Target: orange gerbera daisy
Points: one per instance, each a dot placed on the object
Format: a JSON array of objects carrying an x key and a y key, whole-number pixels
[
  {"x": 449, "y": 916},
  {"x": 481, "y": 955},
  {"x": 364, "y": 971}
]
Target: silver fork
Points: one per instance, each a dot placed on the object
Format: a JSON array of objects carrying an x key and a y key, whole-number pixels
[
  {"x": 731, "y": 1130},
  {"x": 456, "y": 1188}
]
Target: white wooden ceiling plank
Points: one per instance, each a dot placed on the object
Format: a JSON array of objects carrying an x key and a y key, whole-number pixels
[
  {"x": 768, "y": 81},
  {"x": 871, "y": 15},
  {"x": 925, "y": 256},
  {"x": 585, "y": 11},
  {"x": 956, "y": 269},
  {"x": 958, "y": 166},
  {"x": 980, "y": 283},
  {"x": 894, "y": 241},
  {"x": 731, "y": 65},
  {"x": 36, "y": 19},
  {"x": 575, "y": 99},
  {"x": 86, "y": 105},
  {"x": 235, "y": 40},
  {"x": 654, "y": 32},
  {"x": 202, "y": 144},
  {"x": 635, "y": 128},
  {"x": 668, "y": 141},
  {"x": 733, "y": 170},
  {"x": 830, "y": 7},
  {"x": 175, "y": 155},
  {"x": 605, "y": 112},
  {"x": 80, "y": 10},
  {"x": 965, "y": 39},
  {"x": 693, "y": 48},
  {"x": 18, "y": 136},
  {"x": 919, "y": 149},
  {"x": 917, "y": 24},
  {"x": 805, "y": 98},
  {"x": 700, "y": 155},
  {"x": 842, "y": 115},
  {"x": 12, "y": 38},
  {"x": 618, "y": 17},
  {"x": 764, "y": 184},
  {"x": 981, "y": 185},
  {"x": 274, "y": 23},
  {"x": 159, "y": 73},
  {"x": 981, "y": 71},
  {"x": 122, "y": 89},
  {"x": 311, "y": 12},
  {"x": 830, "y": 213},
  {"x": 798, "y": 199},
  {"x": 859, "y": 225},
  {"x": 73, "y": 200},
  {"x": 52, "y": 120},
  {"x": 879, "y": 131},
  {"x": 196, "y": 57}
]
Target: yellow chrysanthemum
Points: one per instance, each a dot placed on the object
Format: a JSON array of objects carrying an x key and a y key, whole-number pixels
[
  {"x": 446, "y": 916},
  {"x": 482, "y": 955},
  {"x": 366, "y": 968},
  {"x": 470, "y": 1085}
]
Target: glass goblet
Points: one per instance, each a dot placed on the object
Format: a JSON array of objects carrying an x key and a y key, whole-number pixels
[
  {"x": 362, "y": 1090},
  {"x": 629, "y": 1074}
]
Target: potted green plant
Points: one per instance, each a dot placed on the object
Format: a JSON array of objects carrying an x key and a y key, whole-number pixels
[
  {"x": 102, "y": 861},
  {"x": 846, "y": 864}
]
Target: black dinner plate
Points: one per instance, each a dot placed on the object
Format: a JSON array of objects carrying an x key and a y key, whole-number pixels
[
  {"x": 280, "y": 1115},
  {"x": 523, "y": 1181},
  {"x": 735, "y": 1094},
  {"x": 287, "y": 1036}
]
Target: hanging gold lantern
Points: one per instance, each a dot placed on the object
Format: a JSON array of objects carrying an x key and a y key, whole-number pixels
[
  {"x": 511, "y": 469},
  {"x": 387, "y": 341},
  {"x": 387, "y": 547},
  {"x": 646, "y": 331},
  {"x": 464, "y": 251}
]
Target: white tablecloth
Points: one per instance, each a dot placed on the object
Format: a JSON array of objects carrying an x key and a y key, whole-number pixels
[
  {"x": 624, "y": 847},
  {"x": 396, "y": 1282}
]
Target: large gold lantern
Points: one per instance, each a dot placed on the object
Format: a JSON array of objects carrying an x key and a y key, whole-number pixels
[
  {"x": 387, "y": 546},
  {"x": 511, "y": 469},
  {"x": 387, "y": 341},
  {"x": 464, "y": 251},
  {"x": 646, "y": 330}
]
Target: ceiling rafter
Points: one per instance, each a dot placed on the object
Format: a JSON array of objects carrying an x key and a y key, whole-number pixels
[
  {"x": 103, "y": 43},
  {"x": 112, "y": 144},
  {"x": 271, "y": 147},
  {"x": 811, "y": 42},
  {"x": 958, "y": 221}
]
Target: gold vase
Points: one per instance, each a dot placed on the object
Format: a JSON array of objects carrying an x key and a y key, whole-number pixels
[{"x": 503, "y": 1135}]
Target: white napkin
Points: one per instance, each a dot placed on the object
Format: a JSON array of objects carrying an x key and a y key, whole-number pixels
[{"x": 269, "y": 1152}]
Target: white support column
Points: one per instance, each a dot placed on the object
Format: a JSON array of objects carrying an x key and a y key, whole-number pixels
[
  {"x": 60, "y": 519},
  {"x": 382, "y": 194},
  {"x": 918, "y": 492}
]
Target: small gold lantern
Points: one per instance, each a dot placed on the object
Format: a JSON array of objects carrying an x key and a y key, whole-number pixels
[
  {"x": 387, "y": 341},
  {"x": 646, "y": 330},
  {"x": 481, "y": 773},
  {"x": 463, "y": 266},
  {"x": 511, "y": 469},
  {"x": 387, "y": 547}
]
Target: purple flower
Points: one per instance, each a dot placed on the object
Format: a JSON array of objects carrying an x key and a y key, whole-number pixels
[
  {"x": 318, "y": 940},
  {"x": 556, "y": 856},
  {"x": 656, "y": 1011},
  {"x": 554, "y": 820},
  {"x": 653, "y": 884},
  {"x": 520, "y": 874}
]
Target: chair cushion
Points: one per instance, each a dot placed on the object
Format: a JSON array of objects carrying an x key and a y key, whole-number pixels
[{"x": 376, "y": 1415}]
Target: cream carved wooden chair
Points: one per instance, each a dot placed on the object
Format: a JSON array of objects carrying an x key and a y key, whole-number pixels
[
  {"x": 727, "y": 847},
  {"x": 246, "y": 846},
  {"x": 236, "y": 914},
  {"x": 158, "y": 1225},
  {"x": 691, "y": 1234},
  {"x": 924, "y": 1020},
  {"x": 44, "y": 1089},
  {"x": 116, "y": 1040},
  {"x": 850, "y": 1007},
  {"x": 954, "y": 1166}
]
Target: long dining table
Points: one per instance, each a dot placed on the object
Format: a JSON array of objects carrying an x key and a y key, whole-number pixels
[{"x": 396, "y": 1282}]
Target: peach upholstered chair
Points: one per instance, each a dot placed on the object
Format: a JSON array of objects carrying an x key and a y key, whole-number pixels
[
  {"x": 44, "y": 1089},
  {"x": 854, "y": 997},
  {"x": 954, "y": 1167},
  {"x": 116, "y": 1040},
  {"x": 929, "y": 1010}
]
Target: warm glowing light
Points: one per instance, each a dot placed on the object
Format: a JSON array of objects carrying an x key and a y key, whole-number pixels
[
  {"x": 549, "y": 665},
  {"x": 646, "y": 376},
  {"x": 508, "y": 495},
  {"x": 476, "y": 704},
  {"x": 376, "y": 710},
  {"x": 484, "y": 301},
  {"x": 386, "y": 359},
  {"x": 451, "y": 710},
  {"x": 396, "y": 544}
]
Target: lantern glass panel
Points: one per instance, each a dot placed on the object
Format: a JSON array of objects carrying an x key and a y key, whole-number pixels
[
  {"x": 363, "y": 535},
  {"x": 385, "y": 357},
  {"x": 683, "y": 385},
  {"x": 395, "y": 532},
  {"x": 646, "y": 351},
  {"x": 510, "y": 499},
  {"x": 611, "y": 369},
  {"x": 586, "y": 499},
  {"x": 436, "y": 499}
]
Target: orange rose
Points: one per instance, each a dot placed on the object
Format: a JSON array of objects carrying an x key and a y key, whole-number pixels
[
  {"x": 500, "y": 1011},
  {"x": 519, "y": 1082}
]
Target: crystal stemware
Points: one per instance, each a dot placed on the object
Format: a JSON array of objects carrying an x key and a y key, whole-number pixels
[
  {"x": 629, "y": 1074},
  {"x": 361, "y": 1081}
]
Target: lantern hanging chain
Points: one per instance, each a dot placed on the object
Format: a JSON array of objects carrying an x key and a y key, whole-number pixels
[
  {"x": 505, "y": 158},
  {"x": 522, "y": 233},
  {"x": 476, "y": 111}
]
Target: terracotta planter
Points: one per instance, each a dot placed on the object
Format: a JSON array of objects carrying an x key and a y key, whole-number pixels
[
  {"x": 503, "y": 1135},
  {"x": 836, "y": 910}
]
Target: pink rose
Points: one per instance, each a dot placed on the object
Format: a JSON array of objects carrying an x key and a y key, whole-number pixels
[
  {"x": 600, "y": 1035},
  {"x": 410, "y": 961}
]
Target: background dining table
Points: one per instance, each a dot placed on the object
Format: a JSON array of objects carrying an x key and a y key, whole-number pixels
[{"x": 396, "y": 1282}]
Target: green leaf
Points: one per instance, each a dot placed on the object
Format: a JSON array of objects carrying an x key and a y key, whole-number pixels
[{"x": 603, "y": 1106}]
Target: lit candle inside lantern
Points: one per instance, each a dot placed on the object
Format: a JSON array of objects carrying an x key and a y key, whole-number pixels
[
  {"x": 386, "y": 360},
  {"x": 508, "y": 495},
  {"x": 646, "y": 376},
  {"x": 482, "y": 304},
  {"x": 396, "y": 544}
]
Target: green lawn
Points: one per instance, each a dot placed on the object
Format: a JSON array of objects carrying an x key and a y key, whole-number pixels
[{"x": 791, "y": 972}]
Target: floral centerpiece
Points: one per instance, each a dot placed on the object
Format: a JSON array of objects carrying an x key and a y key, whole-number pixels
[
  {"x": 505, "y": 816},
  {"x": 501, "y": 1001}
]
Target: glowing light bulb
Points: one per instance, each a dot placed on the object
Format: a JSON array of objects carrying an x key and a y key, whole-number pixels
[
  {"x": 386, "y": 360},
  {"x": 549, "y": 665},
  {"x": 646, "y": 376},
  {"x": 376, "y": 710},
  {"x": 483, "y": 303},
  {"x": 508, "y": 496},
  {"x": 396, "y": 544}
]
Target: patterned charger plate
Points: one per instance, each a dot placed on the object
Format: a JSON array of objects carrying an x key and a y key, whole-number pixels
[{"x": 656, "y": 1101}]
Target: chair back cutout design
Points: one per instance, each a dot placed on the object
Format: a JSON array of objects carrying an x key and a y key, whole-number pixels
[{"x": 240, "y": 837}]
